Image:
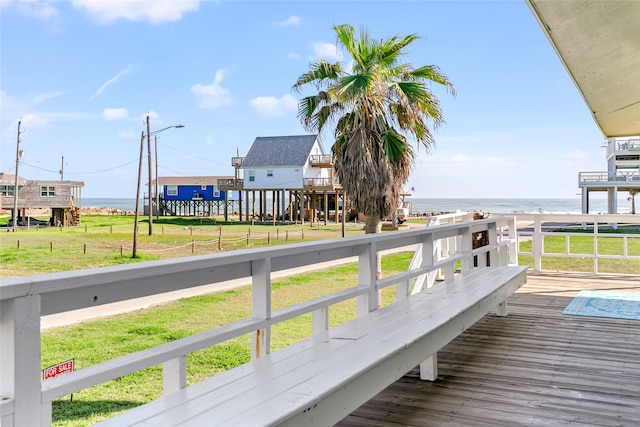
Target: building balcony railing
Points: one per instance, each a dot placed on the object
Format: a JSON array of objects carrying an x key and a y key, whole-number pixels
[
  {"x": 321, "y": 183},
  {"x": 627, "y": 146},
  {"x": 321, "y": 160},
  {"x": 236, "y": 162},
  {"x": 604, "y": 177},
  {"x": 231, "y": 184}
]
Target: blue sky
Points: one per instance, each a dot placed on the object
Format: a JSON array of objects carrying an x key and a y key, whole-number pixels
[{"x": 83, "y": 74}]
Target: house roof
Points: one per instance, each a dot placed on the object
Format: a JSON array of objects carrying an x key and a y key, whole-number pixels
[
  {"x": 279, "y": 151},
  {"x": 10, "y": 179},
  {"x": 189, "y": 180},
  {"x": 598, "y": 42}
]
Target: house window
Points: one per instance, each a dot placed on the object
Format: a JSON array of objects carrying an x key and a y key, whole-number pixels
[
  {"x": 172, "y": 190},
  {"x": 216, "y": 191},
  {"x": 269, "y": 172},
  {"x": 203, "y": 187},
  {"x": 7, "y": 190},
  {"x": 47, "y": 191},
  {"x": 252, "y": 176}
]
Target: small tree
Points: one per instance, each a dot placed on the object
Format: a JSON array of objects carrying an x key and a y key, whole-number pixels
[{"x": 632, "y": 198}]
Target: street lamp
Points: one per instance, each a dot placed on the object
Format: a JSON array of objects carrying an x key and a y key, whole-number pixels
[
  {"x": 149, "y": 133},
  {"x": 135, "y": 222}
]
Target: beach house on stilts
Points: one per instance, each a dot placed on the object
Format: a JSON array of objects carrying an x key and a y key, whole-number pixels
[{"x": 289, "y": 178}]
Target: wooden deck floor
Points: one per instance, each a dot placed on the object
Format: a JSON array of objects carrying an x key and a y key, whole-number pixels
[{"x": 534, "y": 367}]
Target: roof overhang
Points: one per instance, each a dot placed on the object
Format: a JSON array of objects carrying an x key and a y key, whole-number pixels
[{"x": 598, "y": 42}]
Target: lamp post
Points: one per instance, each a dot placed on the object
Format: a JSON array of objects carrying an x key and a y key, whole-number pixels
[
  {"x": 135, "y": 222},
  {"x": 148, "y": 136}
]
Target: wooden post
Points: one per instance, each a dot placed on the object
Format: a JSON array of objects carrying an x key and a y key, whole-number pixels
[
  {"x": 219, "y": 243},
  {"x": 193, "y": 246},
  {"x": 121, "y": 250},
  {"x": 18, "y": 244},
  {"x": 111, "y": 229},
  {"x": 85, "y": 249},
  {"x": 268, "y": 237},
  {"x": 286, "y": 239},
  {"x": 51, "y": 246}
]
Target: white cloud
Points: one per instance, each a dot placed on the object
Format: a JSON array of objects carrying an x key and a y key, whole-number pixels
[
  {"x": 271, "y": 106},
  {"x": 33, "y": 121},
  {"x": 213, "y": 95},
  {"x": 42, "y": 10},
  {"x": 137, "y": 10},
  {"x": 209, "y": 140},
  {"x": 113, "y": 80},
  {"x": 293, "y": 55},
  {"x": 114, "y": 113},
  {"x": 291, "y": 21},
  {"x": 324, "y": 50}
]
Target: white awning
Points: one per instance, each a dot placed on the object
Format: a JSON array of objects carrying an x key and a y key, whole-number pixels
[{"x": 598, "y": 42}]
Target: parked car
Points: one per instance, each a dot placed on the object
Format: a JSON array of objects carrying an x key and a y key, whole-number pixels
[{"x": 30, "y": 221}]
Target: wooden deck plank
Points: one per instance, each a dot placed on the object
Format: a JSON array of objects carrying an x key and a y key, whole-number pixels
[{"x": 539, "y": 367}]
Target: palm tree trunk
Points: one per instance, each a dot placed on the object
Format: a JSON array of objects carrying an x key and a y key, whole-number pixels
[{"x": 373, "y": 224}]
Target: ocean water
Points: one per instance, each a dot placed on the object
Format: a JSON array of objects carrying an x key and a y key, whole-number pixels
[{"x": 418, "y": 205}]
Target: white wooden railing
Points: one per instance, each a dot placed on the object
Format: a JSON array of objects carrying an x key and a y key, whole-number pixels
[
  {"x": 25, "y": 400},
  {"x": 594, "y": 222}
]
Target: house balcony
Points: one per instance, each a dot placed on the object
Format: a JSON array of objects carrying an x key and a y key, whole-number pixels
[
  {"x": 321, "y": 161},
  {"x": 321, "y": 184},
  {"x": 600, "y": 181},
  {"x": 236, "y": 162},
  {"x": 623, "y": 147},
  {"x": 231, "y": 184}
]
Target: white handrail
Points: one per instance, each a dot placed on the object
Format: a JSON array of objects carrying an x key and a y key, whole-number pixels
[{"x": 26, "y": 400}]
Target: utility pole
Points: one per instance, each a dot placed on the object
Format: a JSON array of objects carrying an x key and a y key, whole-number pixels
[
  {"x": 135, "y": 218},
  {"x": 62, "y": 169},
  {"x": 155, "y": 140},
  {"x": 15, "y": 186},
  {"x": 150, "y": 198}
]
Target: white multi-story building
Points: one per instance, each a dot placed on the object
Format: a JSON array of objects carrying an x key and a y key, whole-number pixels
[{"x": 622, "y": 174}]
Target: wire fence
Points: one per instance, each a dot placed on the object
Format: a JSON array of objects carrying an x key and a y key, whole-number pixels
[{"x": 218, "y": 243}]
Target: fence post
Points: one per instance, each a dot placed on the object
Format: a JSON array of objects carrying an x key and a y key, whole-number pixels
[
  {"x": 111, "y": 229},
  {"x": 51, "y": 246},
  {"x": 191, "y": 230},
  {"x": 18, "y": 244},
  {"x": 302, "y": 232},
  {"x": 121, "y": 250},
  {"x": 193, "y": 246},
  {"x": 21, "y": 358},
  {"x": 85, "y": 228},
  {"x": 84, "y": 250},
  {"x": 248, "y": 238},
  {"x": 268, "y": 237},
  {"x": 537, "y": 242},
  {"x": 219, "y": 243},
  {"x": 286, "y": 238},
  {"x": 220, "y": 231},
  {"x": 261, "y": 305}
]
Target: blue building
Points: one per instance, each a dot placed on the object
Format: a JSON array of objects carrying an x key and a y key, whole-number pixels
[{"x": 193, "y": 196}]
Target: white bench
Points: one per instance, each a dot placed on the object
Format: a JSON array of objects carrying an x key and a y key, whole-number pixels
[{"x": 321, "y": 380}]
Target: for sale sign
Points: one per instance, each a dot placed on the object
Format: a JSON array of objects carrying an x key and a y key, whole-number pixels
[{"x": 59, "y": 369}]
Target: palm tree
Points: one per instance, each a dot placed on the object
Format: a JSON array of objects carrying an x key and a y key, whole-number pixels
[
  {"x": 373, "y": 104},
  {"x": 632, "y": 198}
]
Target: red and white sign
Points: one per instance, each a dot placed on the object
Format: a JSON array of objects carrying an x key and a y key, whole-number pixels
[{"x": 59, "y": 369}]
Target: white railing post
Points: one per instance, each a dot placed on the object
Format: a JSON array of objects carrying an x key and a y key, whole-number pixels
[
  {"x": 514, "y": 246},
  {"x": 493, "y": 240},
  {"x": 466, "y": 246},
  {"x": 319, "y": 320},
  {"x": 20, "y": 361},
  {"x": 367, "y": 278},
  {"x": 174, "y": 375},
  {"x": 261, "y": 305},
  {"x": 537, "y": 243},
  {"x": 595, "y": 245}
]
